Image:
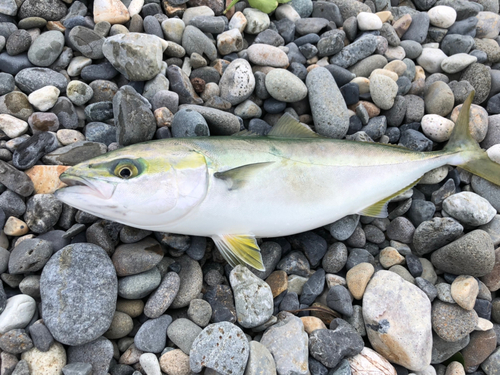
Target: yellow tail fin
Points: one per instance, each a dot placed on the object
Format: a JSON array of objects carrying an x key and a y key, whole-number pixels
[{"x": 461, "y": 141}]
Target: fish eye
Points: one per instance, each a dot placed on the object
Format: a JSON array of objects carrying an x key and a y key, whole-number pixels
[{"x": 126, "y": 171}]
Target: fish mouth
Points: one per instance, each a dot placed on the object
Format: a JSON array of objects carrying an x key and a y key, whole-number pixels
[{"x": 81, "y": 185}]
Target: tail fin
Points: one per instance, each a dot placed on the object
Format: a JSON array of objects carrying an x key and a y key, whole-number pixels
[{"x": 461, "y": 140}]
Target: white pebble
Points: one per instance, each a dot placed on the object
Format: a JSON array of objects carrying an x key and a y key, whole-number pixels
[
  {"x": 17, "y": 313},
  {"x": 286, "y": 11},
  {"x": 494, "y": 153},
  {"x": 469, "y": 208},
  {"x": 150, "y": 364},
  {"x": 135, "y": 7},
  {"x": 77, "y": 64},
  {"x": 437, "y": 128},
  {"x": 369, "y": 21},
  {"x": 45, "y": 98},
  {"x": 12, "y": 126},
  {"x": 431, "y": 59},
  {"x": 442, "y": 16}
]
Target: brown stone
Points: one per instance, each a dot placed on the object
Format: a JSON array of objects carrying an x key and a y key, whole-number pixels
[
  {"x": 229, "y": 14},
  {"x": 311, "y": 323},
  {"x": 173, "y": 10},
  {"x": 278, "y": 281},
  {"x": 55, "y": 25},
  {"x": 390, "y": 257},
  {"x": 492, "y": 280},
  {"x": 324, "y": 313},
  {"x": 131, "y": 355},
  {"x": 15, "y": 227},
  {"x": 455, "y": 368},
  {"x": 198, "y": 84},
  {"x": 131, "y": 307},
  {"x": 357, "y": 279},
  {"x": 481, "y": 345},
  {"x": 402, "y": 25},
  {"x": 175, "y": 362},
  {"x": 371, "y": 108},
  {"x": 46, "y": 178}
]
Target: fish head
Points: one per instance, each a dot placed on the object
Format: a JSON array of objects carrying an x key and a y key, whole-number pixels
[{"x": 144, "y": 185}]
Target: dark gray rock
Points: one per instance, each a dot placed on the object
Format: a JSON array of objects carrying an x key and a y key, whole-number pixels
[
  {"x": 98, "y": 353},
  {"x": 139, "y": 285},
  {"x": 41, "y": 336},
  {"x": 15, "y": 180},
  {"x": 78, "y": 289},
  {"x": 341, "y": 340},
  {"x": 418, "y": 28},
  {"x": 189, "y": 123},
  {"x": 100, "y": 132},
  {"x": 134, "y": 120},
  {"x": 75, "y": 153},
  {"x": 87, "y": 42},
  {"x": 313, "y": 287},
  {"x": 103, "y": 71},
  {"x": 472, "y": 254},
  {"x": 152, "y": 335},
  {"x": 479, "y": 77},
  {"x": 295, "y": 263},
  {"x": 50, "y": 10},
  {"x": 29, "y": 256},
  {"x": 18, "y": 42},
  {"x": 355, "y": 52},
  {"x": 31, "y": 79},
  {"x": 432, "y": 234},
  {"x": 46, "y": 48},
  {"x": 339, "y": 299},
  {"x": 29, "y": 152},
  {"x": 66, "y": 113},
  {"x": 220, "y": 298},
  {"x": 42, "y": 212},
  {"x": 162, "y": 298},
  {"x": 454, "y": 43}
]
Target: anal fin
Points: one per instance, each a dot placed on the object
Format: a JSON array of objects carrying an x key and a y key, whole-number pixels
[
  {"x": 240, "y": 249},
  {"x": 379, "y": 209}
]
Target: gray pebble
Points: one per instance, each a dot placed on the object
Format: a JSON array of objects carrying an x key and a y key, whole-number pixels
[
  {"x": 189, "y": 123},
  {"x": 139, "y": 285},
  {"x": 199, "y": 312},
  {"x": 183, "y": 332},
  {"x": 41, "y": 336},
  {"x": 29, "y": 256},
  {"x": 98, "y": 353},
  {"x": 161, "y": 299}
]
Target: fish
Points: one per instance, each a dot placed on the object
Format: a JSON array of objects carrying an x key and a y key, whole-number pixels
[{"x": 238, "y": 188}]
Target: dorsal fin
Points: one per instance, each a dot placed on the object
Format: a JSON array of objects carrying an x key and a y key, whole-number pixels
[
  {"x": 379, "y": 209},
  {"x": 288, "y": 127}
]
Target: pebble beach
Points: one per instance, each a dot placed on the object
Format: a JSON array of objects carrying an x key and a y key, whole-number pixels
[{"x": 414, "y": 293}]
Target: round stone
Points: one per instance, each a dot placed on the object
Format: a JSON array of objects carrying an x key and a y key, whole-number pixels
[
  {"x": 383, "y": 91},
  {"x": 267, "y": 55},
  {"x": 451, "y": 322},
  {"x": 439, "y": 99},
  {"x": 78, "y": 289},
  {"x": 442, "y": 16},
  {"x": 368, "y": 21},
  {"x": 430, "y": 59},
  {"x": 458, "y": 62},
  {"x": 189, "y": 123},
  {"x": 285, "y": 86},
  {"x": 79, "y": 92},
  {"x": 29, "y": 256},
  {"x": 437, "y": 128},
  {"x": 469, "y": 208},
  {"x": 357, "y": 279},
  {"x": 464, "y": 291},
  {"x": 45, "y": 98},
  {"x": 46, "y": 48},
  {"x": 49, "y": 362},
  {"x": 238, "y": 82},
  {"x": 18, "y": 312}
]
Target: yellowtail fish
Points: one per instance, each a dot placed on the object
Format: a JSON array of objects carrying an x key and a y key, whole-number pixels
[{"x": 234, "y": 189}]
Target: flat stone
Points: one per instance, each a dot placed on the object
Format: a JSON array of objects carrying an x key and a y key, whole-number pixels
[
  {"x": 469, "y": 208},
  {"x": 29, "y": 256},
  {"x": 267, "y": 55},
  {"x": 393, "y": 325},
  {"x": 211, "y": 346},
  {"x": 288, "y": 343},
  {"x": 284, "y": 86},
  {"x": 93, "y": 318},
  {"x": 46, "y": 48},
  {"x": 191, "y": 280},
  {"x": 137, "y": 56},
  {"x": 472, "y": 254},
  {"x": 31, "y": 79},
  {"x": 152, "y": 335}
]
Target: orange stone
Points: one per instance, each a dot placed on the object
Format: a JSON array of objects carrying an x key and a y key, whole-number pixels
[
  {"x": 402, "y": 25},
  {"x": 113, "y": 11},
  {"x": 46, "y": 178},
  {"x": 15, "y": 227},
  {"x": 311, "y": 323}
]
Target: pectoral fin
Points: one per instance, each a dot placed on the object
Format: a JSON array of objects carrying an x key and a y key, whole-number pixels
[
  {"x": 379, "y": 209},
  {"x": 236, "y": 177},
  {"x": 239, "y": 249}
]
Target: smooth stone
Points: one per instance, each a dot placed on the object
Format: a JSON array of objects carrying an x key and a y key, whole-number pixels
[
  {"x": 479, "y": 77},
  {"x": 357, "y": 279},
  {"x": 383, "y": 91},
  {"x": 267, "y": 55},
  {"x": 437, "y": 128},
  {"x": 18, "y": 312},
  {"x": 139, "y": 285},
  {"x": 193, "y": 40},
  {"x": 457, "y": 62},
  {"x": 112, "y": 11},
  {"x": 442, "y": 16},
  {"x": 191, "y": 280},
  {"x": 219, "y": 122},
  {"x": 161, "y": 299},
  {"x": 464, "y": 291},
  {"x": 439, "y": 99},
  {"x": 79, "y": 92},
  {"x": 46, "y": 48},
  {"x": 253, "y": 297},
  {"x": 16, "y": 104},
  {"x": 288, "y": 343},
  {"x": 152, "y": 335},
  {"x": 260, "y": 360},
  {"x": 18, "y": 42},
  {"x": 31, "y": 79},
  {"x": 94, "y": 318},
  {"x": 189, "y": 123},
  {"x": 430, "y": 59},
  {"x": 478, "y": 121},
  {"x": 390, "y": 322},
  {"x": 12, "y": 126},
  {"x": 257, "y": 21},
  {"x": 175, "y": 362},
  {"x": 45, "y": 98},
  {"x": 137, "y": 56},
  {"x": 368, "y": 21},
  {"x": 211, "y": 346},
  {"x": 418, "y": 28},
  {"x": 284, "y": 86},
  {"x": 469, "y": 208},
  {"x": 237, "y": 83},
  {"x": 355, "y": 52},
  {"x": 75, "y": 153},
  {"x": 327, "y": 104},
  {"x": 50, "y": 10},
  {"x": 29, "y": 256}
]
